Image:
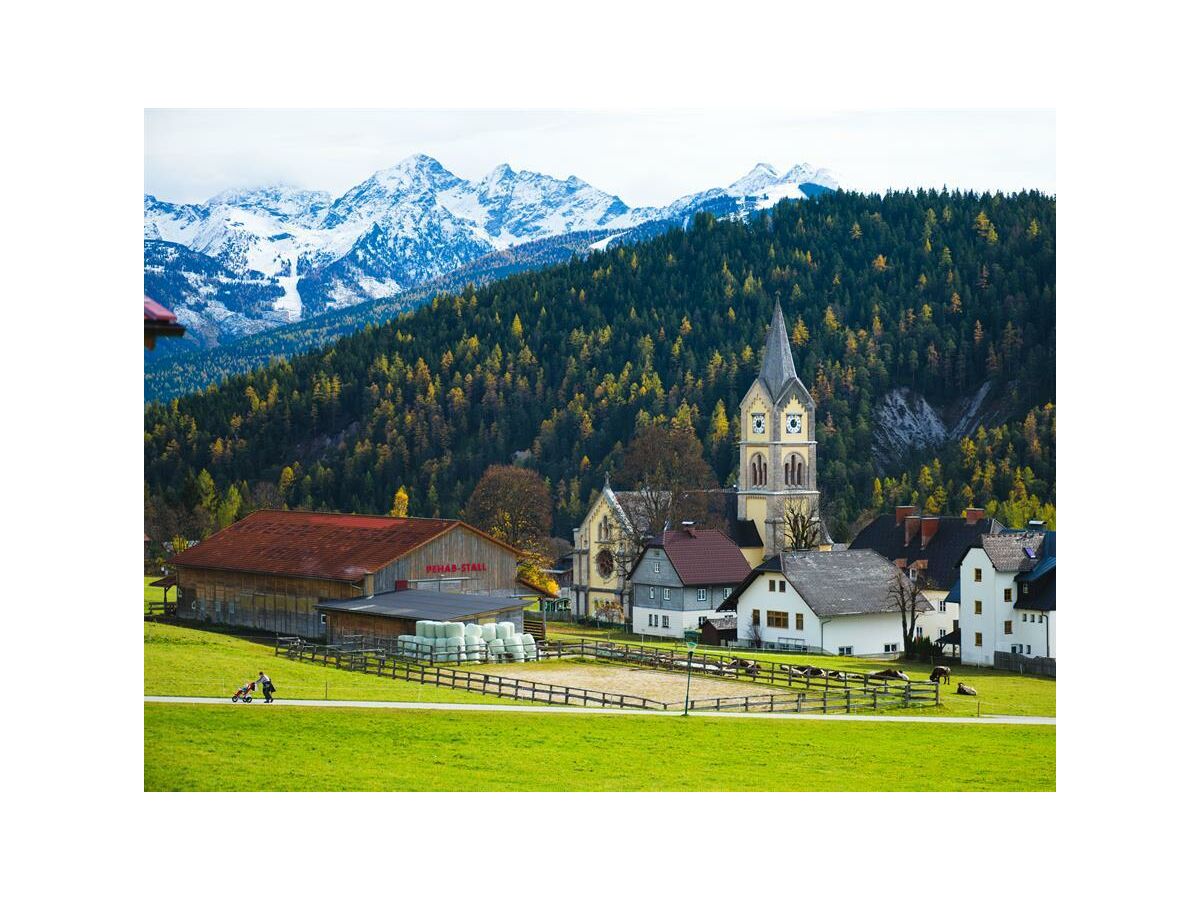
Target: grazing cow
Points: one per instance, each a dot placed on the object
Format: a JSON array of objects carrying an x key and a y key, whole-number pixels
[
  {"x": 890, "y": 673},
  {"x": 940, "y": 673},
  {"x": 840, "y": 676},
  {"x": 966, "y": 689}
]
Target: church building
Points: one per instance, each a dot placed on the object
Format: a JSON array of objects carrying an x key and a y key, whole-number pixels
[
  {"x": 777, "y": 476},
  {"x": 775, "y": 499}
]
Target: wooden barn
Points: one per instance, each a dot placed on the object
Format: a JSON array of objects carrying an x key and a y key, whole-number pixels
[{"x": 270, "y": 570}]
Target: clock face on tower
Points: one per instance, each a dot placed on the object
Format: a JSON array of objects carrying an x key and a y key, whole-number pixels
[
  {"x": 793, "y": 423},
  {"x": 758, "y": 423}
]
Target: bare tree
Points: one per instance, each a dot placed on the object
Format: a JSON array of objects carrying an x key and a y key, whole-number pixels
[
  {"x": 904, "y": 594},
  {"x": 802, "y": 528}
]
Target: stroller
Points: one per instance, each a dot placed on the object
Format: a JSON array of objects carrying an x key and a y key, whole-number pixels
[{"x": 244, "y": 693}]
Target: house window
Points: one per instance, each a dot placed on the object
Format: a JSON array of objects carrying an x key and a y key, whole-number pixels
[
  {"x": 754, "y": 617},
  {"x": 979, "y": 607},
  {"x": 1029, "y": 649},
  {"x": 1023, "y": 617},
  {"x": 324, "y": 619},
  {"x": 666, "y": 621},
  {"x": 941, "y": 606},
  {"x": 657, "y": 568},
  {"x": 771, "y": 585},
  {"x": 1016, "y": 648},
  {"x": 701, "y": 620},
  {"x": 776, "y": 619},
  {"x": 979, "y": 639},
  {"x": 725, "y": 594},
  {"x": 653, "y": 621},
  {"x": 702, "y": 594},
  {"x": 651, "y": 593},
  {"x": 845, "y": 651},
  {"x": 1008, "y": 626},
  {"x": 666, "y": 595},
  {"x": 979, "y": 574},
  {"x": 920, "y": 631},
  {"x": 941, "y": 632},
  {"x": 799, "y": 621},
  {"x": 1008, "y": 595},
  {"x": 889, "y": 648}
]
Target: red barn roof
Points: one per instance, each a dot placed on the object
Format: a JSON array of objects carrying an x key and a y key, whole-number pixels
[
  {"x": 702, "y": 557},
  {"x": 158, "y": 321},
  {"x": 336, "y": 546},
  {"x": 156, "y": 311}
]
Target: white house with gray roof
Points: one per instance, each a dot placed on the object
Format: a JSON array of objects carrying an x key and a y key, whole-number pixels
[
  {"x": 840, "y": 603},
  {"x": 1007, "y": 596}
]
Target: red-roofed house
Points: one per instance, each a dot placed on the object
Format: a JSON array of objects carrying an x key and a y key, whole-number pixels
[
  {"x": 680, "y": 578},
  {"x": 158, "y": 322},
  {"x": 269, "y": 570}
]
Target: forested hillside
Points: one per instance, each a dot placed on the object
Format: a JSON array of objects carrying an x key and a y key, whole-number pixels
[{"x": 936, "y": 292}]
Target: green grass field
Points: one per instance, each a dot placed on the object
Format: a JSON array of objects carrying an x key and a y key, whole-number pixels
[
  {"x": 187, "y": 662},
  {"x": 288, "y": 748},
  {"x": 1000, "y": 693}
]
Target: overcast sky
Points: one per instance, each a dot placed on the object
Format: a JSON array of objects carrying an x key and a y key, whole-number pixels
[{"x": 645, "y": 157}]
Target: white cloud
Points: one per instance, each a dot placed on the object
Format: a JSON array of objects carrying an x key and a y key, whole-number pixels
[{"x": 645, "y": 157}]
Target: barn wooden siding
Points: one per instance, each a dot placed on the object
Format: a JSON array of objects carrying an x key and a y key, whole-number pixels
[
  {"x": 279, "y": 603},
  {"x": 455, "y": 547}
]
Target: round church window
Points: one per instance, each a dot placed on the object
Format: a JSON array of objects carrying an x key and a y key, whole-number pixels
[{"x": 604, "y": 563}]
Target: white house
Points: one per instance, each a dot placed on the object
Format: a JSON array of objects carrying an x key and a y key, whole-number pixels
[
  {"x": 680, "y": 578},
  {"x": 929, "y": 549},
  {"x": 839, "y": 602},
  {"x": 1007, "y": 594}
]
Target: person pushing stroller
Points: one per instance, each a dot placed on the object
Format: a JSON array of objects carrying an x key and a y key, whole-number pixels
[{"x": 267, "y": 688}]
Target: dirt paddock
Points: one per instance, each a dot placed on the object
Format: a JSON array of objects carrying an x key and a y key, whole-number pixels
[{"x": 616, "y": 678}]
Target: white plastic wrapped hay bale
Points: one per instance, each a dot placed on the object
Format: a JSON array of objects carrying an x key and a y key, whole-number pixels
[
  {"x": 529, "y": 643},
  {"x": 456, "y": 649},
  {"x": 495, "y": 650},
  {"x": 505, "y": 630},
  {"x": 473, "y": 631},
  {"x": 456, "y": 630},
  {"x": 514, "y": 647},
  {"x": 426, "y": 649},
  {"x": 475, "y": 648},
  {"x": 422, "y": 628},
  {"x": 489, "y": 632}
]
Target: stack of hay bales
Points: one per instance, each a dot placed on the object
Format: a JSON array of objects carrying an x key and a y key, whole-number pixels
[{"x": 457, "y": 642}]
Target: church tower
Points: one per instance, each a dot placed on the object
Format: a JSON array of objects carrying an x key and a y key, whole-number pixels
[{"x": 777, "y": 444}]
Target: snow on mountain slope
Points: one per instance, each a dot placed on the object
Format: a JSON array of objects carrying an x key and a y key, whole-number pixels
[{"x": 413, "y": 222}]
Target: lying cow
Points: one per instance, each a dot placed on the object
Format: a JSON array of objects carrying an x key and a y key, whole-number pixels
[
  {"x": 966, "y": 689},
  {"x": 940, "y": 673},
  {"x": 889, "y": 673}
]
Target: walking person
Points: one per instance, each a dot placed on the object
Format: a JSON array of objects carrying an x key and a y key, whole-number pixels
[{"x": 267, "y": 688}]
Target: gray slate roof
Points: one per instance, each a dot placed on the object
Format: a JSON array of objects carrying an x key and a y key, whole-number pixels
[
  {"x": 842, "y": 583},
  {"x": 416, "y": 604},
  {"x": 1006, "y": 550},
  {"x": 778, "y": 367}
]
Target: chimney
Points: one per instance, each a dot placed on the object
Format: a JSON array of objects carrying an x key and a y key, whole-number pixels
[
  {"x": 903, "y": 512},
  {"x": 402, "y": 584},
  {"x": 973, "y": 514},
  {"x": 912, "y": 524},
  {"x": 690, "y": 532},
  {"x": 1036, "y": 525},
  {"x": 929, "y": 527}
]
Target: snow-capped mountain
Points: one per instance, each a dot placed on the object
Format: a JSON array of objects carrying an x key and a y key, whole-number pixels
[{"x": 403, "y": 226}]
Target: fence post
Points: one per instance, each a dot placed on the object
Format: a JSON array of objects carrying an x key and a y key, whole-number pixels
[{"x": 907, "y": 692}]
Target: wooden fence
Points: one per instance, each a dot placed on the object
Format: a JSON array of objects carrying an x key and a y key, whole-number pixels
[
  {"x": 815, "y": 698},
  {"x": 740, "y": 668},
  {"x": 156, "y": 608},
  {"x": 1027, "y": 665}
]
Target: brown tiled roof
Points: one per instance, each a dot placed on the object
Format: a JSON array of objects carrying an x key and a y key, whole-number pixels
[
  {"x": 336, "y": 546},
  {"x": 702, "y": 557}
]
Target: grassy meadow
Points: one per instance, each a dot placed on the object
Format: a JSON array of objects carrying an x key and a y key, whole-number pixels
[{"x": 228, "y": 748}]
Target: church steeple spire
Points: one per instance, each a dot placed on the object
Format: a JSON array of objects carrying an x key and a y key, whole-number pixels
[{"x": 778, "y": 367}]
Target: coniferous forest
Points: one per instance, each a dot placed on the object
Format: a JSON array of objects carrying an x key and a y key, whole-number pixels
[{"x": 936, "y": 292}]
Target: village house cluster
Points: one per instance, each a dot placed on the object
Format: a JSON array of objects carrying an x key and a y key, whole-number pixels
[{"x": 770, "y": 577}]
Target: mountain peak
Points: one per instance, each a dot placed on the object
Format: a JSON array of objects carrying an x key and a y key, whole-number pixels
[{"x": 761, "y": 176}]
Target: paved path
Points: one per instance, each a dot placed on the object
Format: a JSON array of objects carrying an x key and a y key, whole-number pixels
[{"x": 591, "y": 711}]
